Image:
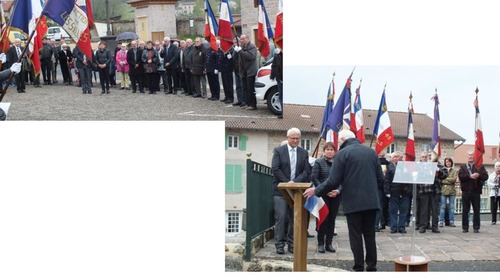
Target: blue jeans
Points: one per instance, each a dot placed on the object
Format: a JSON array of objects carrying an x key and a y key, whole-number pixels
[
  {"x": 451, "y": 207},
  {"x": 398, "y": 209}
]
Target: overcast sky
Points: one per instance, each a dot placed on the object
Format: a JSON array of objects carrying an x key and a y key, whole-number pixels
[{"x": 411, "y": 46}]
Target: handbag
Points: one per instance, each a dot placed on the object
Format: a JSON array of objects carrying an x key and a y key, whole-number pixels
[{"x": 150, "y": 67}]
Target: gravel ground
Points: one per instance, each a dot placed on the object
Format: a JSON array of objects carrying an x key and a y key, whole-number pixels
[{"x": 67, "y": 103}]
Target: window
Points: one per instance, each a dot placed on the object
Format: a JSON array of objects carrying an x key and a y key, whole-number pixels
[
  {"x": 306, "y": 144},
  {"x": 233, "y": 222},
  {"x": 232, "y": 142},
  {"x": 236, "y": 142},
  {"x": 391, "y": 148},
  {"x": 234, "y": 178}
]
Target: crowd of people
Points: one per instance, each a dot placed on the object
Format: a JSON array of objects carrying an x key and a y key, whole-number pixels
[
  {"x": 188, "y": 67},
  {"x": 366, "y": 183}
]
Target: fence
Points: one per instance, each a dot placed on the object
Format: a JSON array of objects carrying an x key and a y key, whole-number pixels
[
  {"x": 485, "y": 200},
  {"x": 260, "y": 208}
]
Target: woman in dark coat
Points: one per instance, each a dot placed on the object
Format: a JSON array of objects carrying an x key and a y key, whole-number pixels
[
  {"x": 150, "y": 59},
  {"x": 320, "y": 173}
]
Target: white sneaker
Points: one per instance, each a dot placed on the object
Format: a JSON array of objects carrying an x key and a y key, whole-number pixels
[{"x": 441, "y": 224}]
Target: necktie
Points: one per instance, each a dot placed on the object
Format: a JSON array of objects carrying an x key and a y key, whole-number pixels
[
  {"x": 292, "y": 164},
  {"x": 469, "y": 168},
  {"x": 18, "y": 52}
]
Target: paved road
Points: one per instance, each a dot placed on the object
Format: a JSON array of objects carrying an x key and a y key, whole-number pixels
[
  {"x": 450, "y": 250},
  {"x": 63, "y": 102}
]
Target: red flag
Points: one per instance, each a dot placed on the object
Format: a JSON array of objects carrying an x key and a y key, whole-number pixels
[
  {"x": 88, "y": 6},
  {"x": 36, "y": 44},
  {"x": 264, "y": 31},
  {"x": 278, "y": 31},
  {"x": 479, "y": 143},
  {"x": 410, "y": 141},
  {"x": 4, "y": 35}
]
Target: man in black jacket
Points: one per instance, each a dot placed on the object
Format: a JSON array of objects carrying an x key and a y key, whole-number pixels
[
  {"x": 399, "y": 196},
  {"x": 169, "y": 56},
  {"x": 357, "y": 168}
]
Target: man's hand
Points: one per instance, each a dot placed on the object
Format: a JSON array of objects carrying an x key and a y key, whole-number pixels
[
  {"x": 333, "y": 193},
  {"x": 237, "y": 48},
  {"x": 3, "y": 58},
  {"x": 16, "y": 67},
  {"x": 309, "y": 192}
]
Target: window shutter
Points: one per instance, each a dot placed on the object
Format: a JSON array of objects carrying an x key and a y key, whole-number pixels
[{"x": 243, "y": 142}]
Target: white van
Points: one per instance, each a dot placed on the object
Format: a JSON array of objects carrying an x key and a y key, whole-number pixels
[{"x": 57, "y": 33}]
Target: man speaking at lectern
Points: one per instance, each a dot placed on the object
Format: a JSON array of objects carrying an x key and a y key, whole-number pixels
[
  {"x": 356, "y": 172},
  {"x": 290, "y": 164}
]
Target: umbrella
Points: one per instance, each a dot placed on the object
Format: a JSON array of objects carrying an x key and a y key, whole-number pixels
[{"x": 127, "y": 36}]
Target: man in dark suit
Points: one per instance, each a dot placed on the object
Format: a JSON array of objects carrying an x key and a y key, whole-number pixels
[
  {"x": 472, "y": 179},
  {"x": 13, "y": 55},
  {"x": 290, "y": 163},
  {"x": 170, "y": 58},
  {"x": 136, "y": 71},
  {"x": 356, "y": 172}
]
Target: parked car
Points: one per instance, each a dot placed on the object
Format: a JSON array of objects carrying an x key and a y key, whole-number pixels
[
  {"x": 267, "y": 89},
  {"x": 56, "y": 33}
]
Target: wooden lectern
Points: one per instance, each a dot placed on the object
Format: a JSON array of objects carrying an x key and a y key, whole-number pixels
[{"x": 293, "y": 194}]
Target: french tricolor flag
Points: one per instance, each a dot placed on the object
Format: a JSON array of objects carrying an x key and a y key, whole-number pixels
[
  {"x": 317, "y": 207},
  {"x": 225, "y": 26},
  {"x": 264, "y": 31}
]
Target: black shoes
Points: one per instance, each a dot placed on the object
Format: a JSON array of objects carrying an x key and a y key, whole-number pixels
[
  {"x": 476, "y": 231},
  {"x": 330, "y": 248},
  {"x": 393, "y": 231},
  {"x": 310, "y": 235},
  {"x": 465, "y": 230},
  {"x": 280, "y": 250},
  {"x": 402, "y": 231},
  {"x": 321, "y": 249},
  {"x": 237, "y": 104},
  {"x": 422, "y": 230},
  {"x": 196, "y": 95},
  {"x": 435, "y": 230}
]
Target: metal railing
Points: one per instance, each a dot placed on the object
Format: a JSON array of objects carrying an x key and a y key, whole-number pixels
[{"x": 485, "y": 200}]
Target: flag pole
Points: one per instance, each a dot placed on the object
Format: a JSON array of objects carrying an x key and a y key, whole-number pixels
[
  {"x": 4, "y": 91},
  {"x": 316, "y": 149}
]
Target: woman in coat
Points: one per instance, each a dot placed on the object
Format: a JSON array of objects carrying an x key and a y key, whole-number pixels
[{"x": 122, "y": 66}]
